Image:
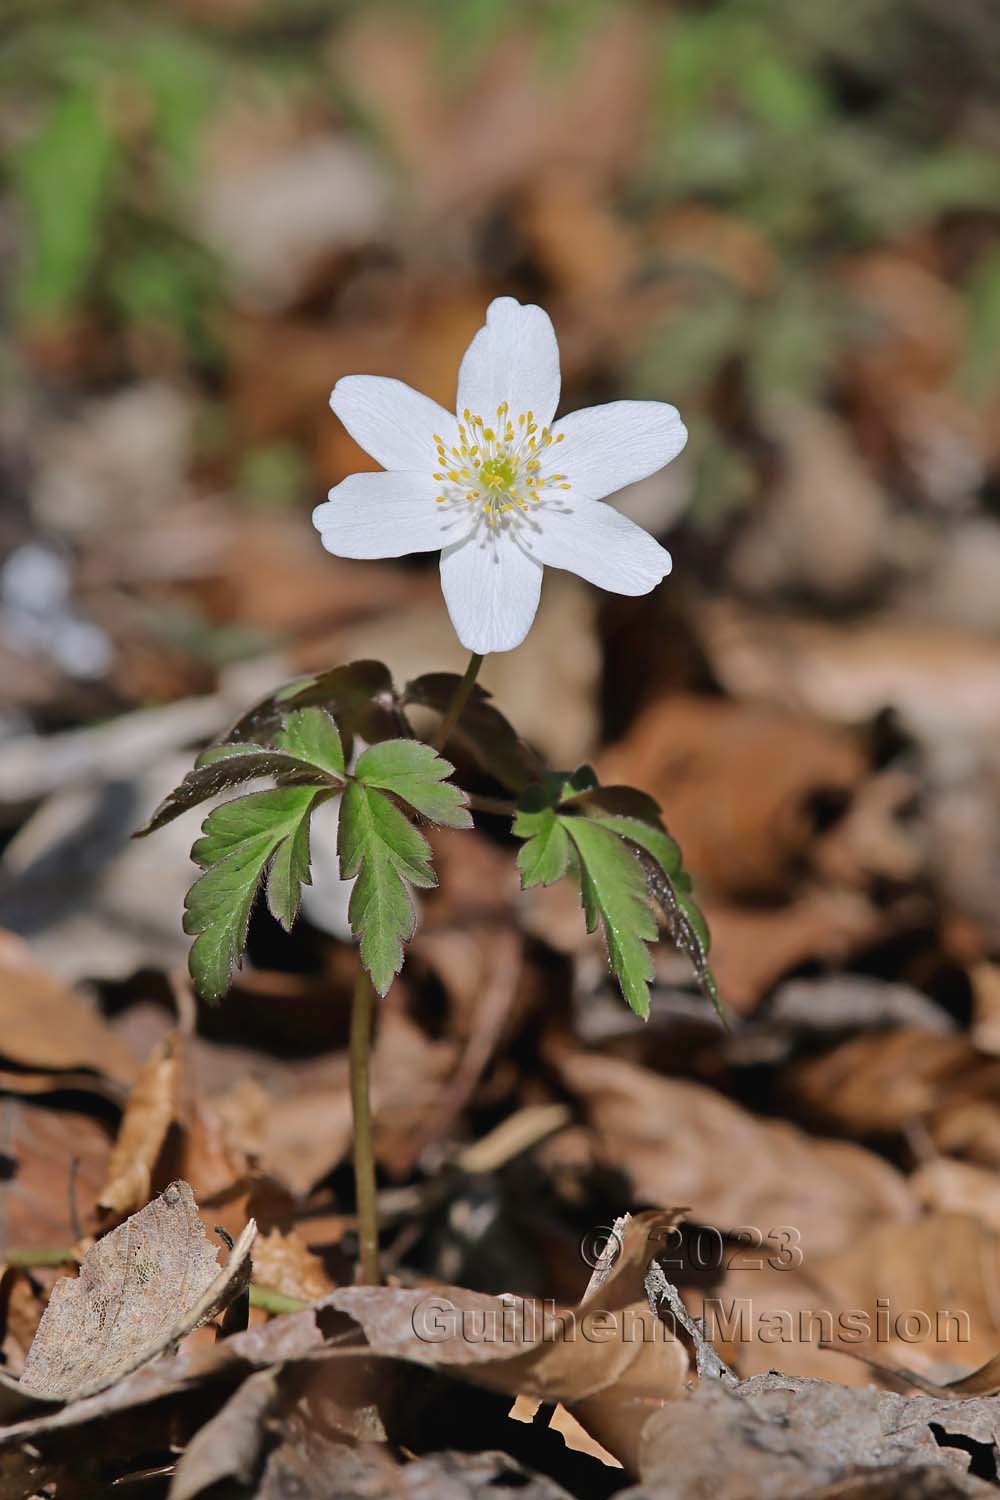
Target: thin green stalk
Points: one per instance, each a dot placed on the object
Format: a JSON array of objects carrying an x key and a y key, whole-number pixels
[
  {"x": 458, "y": 702},
  {"x": 364, "y": 1155}
]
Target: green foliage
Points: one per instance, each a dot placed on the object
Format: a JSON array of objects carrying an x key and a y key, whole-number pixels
[
  {"x": 265, "y": 833},
  {"x": 359, "y": 696},
  {"x": 624, "y": 858},
  {"x": 64, "y": 175},
  {"x": 382, "y": 848},
  {"x": 613, "y": 889},
  {"x": 307, "y": 751},
  {"x": 264, "y": 836},
  {"x": 482, "y": 729},
  {"x": 312, "y": 735},
  {"x": 417, "y": 774},
  {"x": 388, "y": 855}
]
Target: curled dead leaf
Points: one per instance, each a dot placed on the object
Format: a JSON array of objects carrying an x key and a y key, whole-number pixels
[{"x": 140, "y": 1290}]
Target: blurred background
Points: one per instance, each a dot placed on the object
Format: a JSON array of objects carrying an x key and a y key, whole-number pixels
[{"x": 782, "y": 216}]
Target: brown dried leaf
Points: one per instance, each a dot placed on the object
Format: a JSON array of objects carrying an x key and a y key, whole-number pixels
[
  {"x": 152, "y": 1106},
  {"x": 284, "y": 1263},
  {"x": 891, "y": 1082},
  {"x": 785, "y": 1437},
  {"x": 228, "y": 1446},
  {"x": 681, "y": 1142},
  {"x": 58, "y": 1156},
  {"x": 738, "y": 786},
  {"x": 625, "y": 1364},
  {"x": 928, "y": 1293},
  {"x": 140, "y": 1290},
  {"x": 46, "y": 1027}
]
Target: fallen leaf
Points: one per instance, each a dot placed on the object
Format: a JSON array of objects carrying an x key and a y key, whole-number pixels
[
  {"x": 785, "y": 1437},
  {"x": 890, "y": 1082},
  {"x": 140, "y": 1290},
  {"x": 44, "y": 1026},
  {"x": 228, "y": 1446},
  {"x": 610, "y": 1361},
  {"x": 151, "y": 1108},
  {"x": 681, "y": 1142},
  {"x": 740, "y": 787},
  {"x": 284, "y": 1263}
]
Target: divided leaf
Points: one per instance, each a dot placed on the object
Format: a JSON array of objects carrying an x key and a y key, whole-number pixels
[
  {"x": 226, "y": 766},
  {"x": 265, "y": 832},
  {"x": 544, "y": 857},
  {"x": 613, "y": 889},
  {"x": 382, "y": 848},
  {"x": 312, "y": 735},
  {"x": 490, "y": 737},
  {"x": 626, "y": 859},
  {"x": 415, "y": 772},
  {"x": 359, "y": 696}
]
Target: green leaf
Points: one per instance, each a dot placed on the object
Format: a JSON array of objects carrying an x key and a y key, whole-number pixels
[
  {"x": 359, "y": 696},
  {"x": 226, "y": 766},
  {"x": 544, "y": 858},
  {"x": 489, "y": 737},
  {"x": 289, "y": 872},
  {"x": 613, "y": 889},
  {"x": 311, "y": 734},
  {"x": 63, "y": 173},
  {"x": 650, "y": 836},
  {"x": 240, "y": 839},
  {"x": 633, "y": 848},
  {"x": 417, "y": 774},
  {"x": 387, "y": 854}
]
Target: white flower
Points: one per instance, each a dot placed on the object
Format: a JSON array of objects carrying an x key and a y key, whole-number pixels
[{"x": 500, "y": 489}]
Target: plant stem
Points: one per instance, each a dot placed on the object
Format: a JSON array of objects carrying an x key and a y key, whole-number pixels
[
  {"x": 364, "y": 1157},
  {"x": 458, "y": 702},
  {"x": 505, "y": 807}
]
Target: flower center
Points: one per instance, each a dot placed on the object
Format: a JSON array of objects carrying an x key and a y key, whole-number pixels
[{"x": 494, "y": 472}]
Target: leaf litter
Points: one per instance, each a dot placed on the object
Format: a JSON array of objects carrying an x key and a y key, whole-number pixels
[{"x": 812, "y": 699}]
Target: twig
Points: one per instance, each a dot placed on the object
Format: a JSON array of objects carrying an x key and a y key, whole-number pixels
[
  {"x": 708, "y": 1362},
  {"x": 608, "y": 1256}
]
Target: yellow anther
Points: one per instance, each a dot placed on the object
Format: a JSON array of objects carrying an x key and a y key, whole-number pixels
[
  {"x": 565, "y": 486},
  {"x": 440, "y": 499},
  {"x": 560, "y": 437}
]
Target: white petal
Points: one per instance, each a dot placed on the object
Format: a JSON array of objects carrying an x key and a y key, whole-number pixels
[
  {"x": 601, "y": 545},
  {"x": 491, "y": 589},
  {"x": 514, "y": 358},
  {"x": 383, "y": 515},
  {"x": 608, "y": 447},
  {"x": 392, "y": 421}
]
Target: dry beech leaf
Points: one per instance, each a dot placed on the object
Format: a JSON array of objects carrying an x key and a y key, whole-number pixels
[
  {"x": 620, "y": 1363},
  {"x": 944, "y": 1269},
  {"x": 681, "y": 1142},
  {"x": 44, "y": 1026},
  {"x": 52, "y": 1154},
  {"x": 890, "y": 1081},
  {"x": 784, "y": 1437},
  {"x": 140, "y": 1290},
  {"x": 227, "y": 1447},
  {"x": 284, "y": 1263},
  {"x": 738, "y": 786},
  {"x": 151, "y": 1107}
]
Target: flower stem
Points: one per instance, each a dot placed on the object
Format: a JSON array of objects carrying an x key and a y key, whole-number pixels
[
  {"x": 364, "y": 1156},
  {"x": 458, "y": 702}
]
